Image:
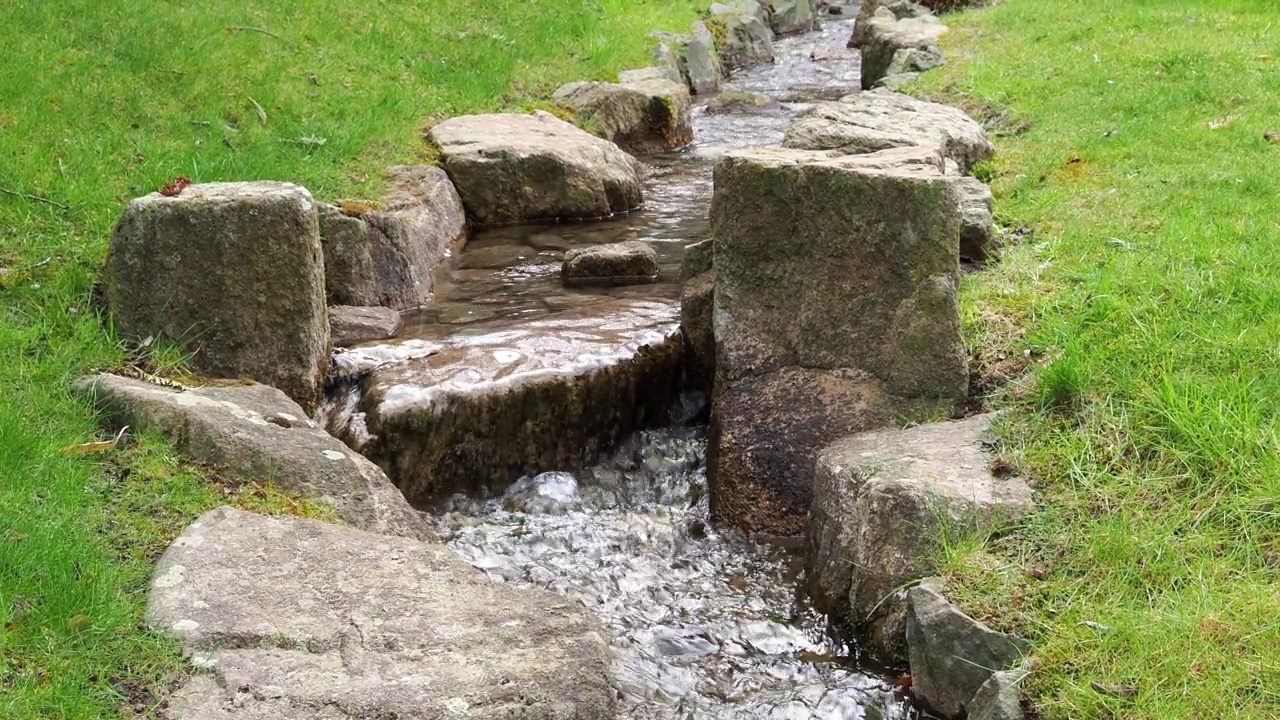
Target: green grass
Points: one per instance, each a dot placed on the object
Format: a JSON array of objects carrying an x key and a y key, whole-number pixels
[
  {"x": 1149, "y": 297},
  {"x": 104, "y": 100}
]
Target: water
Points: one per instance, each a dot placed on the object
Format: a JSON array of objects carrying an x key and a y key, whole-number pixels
[
  {"x": 704, "y": 625},
  {"x": 512, "y": 274}
]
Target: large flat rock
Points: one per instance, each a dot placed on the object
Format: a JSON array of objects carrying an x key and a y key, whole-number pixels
[
  {"x": 232, "y": 273},
  {"x": 291, "y": 619},
  {"x": 835, "y": 311},
  {"x": 512, "y": 168},
  {"x": 256, "y": 433},
  {"x": 877, "y": 120},
  {"x": 882, "y": 503},
  {"x": 497, "y": 400},
  {"x": 385, "y": 255}
]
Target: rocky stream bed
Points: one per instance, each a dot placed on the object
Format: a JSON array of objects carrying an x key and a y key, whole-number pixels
[{"x": 705, "y": 625}]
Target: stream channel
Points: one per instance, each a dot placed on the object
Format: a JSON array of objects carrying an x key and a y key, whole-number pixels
[{"x": 703, "y": 624}]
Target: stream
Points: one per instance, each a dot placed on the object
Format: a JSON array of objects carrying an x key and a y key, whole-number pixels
[{"x": 704, "y": 624}]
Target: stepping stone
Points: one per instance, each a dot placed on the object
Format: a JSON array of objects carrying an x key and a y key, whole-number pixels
[
  {"x": 625, "y": 263},
  {"x": 512, "y": 168},
  {"x": 291, "y": 619}
]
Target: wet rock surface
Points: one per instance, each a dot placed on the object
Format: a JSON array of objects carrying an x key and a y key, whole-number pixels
[
  {"x": 882, "y": 502},
  {"x": 296, "y": 619},
  {"x": 835, "y": 311},
  {"x": 703, "y": 624},
  {"x": 501, "y": 399},
  {"x": 871, "y": 121},
  {"x": 353, "y": 325},
  {"x": 256, "y": 434},
  {"x": 385, "y": 255},
  {"x": 624, "y": 263},
  {"x": 511, "y": 168},
  {"x": 233, "y": 274}
]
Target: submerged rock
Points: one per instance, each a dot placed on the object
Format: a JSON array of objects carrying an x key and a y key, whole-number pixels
[
  {"x": 734, "y": 101},
  {"x": 294, "y": 619},
  {"x": 354, "y": 325},
  {"x": 625, "y": 263},
  {"x": 871, "y": 121},
  {"x": 647, "y": 113},
  {"x": 835, "y": 312},
  {"x": 512, "y": 168},
  {"x": 254, "y": 433},
  {"x": 895, "y": 46},
  {"x": 233, "y": 274},
  {"x": 952, "y": 655},
  {"x": 385, "y": 255},
  {"x": 494, "y": 402},
  {"x": 882, "y": 503}
]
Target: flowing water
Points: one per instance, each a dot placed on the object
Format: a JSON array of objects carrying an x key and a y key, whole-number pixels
[{"x": 704, "y": 625}]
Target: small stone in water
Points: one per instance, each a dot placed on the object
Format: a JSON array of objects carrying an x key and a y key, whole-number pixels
[{"x": 738, "y": 582}]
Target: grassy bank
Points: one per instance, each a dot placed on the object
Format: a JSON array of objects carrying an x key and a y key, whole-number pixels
[
  {"x": 104, "y": 101},
  {"x": 1135, "y": 144}
]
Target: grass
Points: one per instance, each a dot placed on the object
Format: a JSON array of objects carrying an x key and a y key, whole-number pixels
[
  {"x": 104, "y": 101},
  {"x": 1134, "y": 152}
]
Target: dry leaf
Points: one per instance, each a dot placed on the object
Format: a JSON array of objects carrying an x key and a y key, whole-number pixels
[
  {"x": 1220, "y": 123},
  {"x": 96, "y": 447}
]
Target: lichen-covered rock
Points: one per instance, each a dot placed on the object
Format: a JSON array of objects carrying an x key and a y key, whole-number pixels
[
  {"x": 353, "y": 325},
  {"x": 952, "y": 655},
  {"x": 792, "y": 16},
  {"x": 291, "y": 619},
  {"x": 742, "y": 35},
  {"x": 870, "y": 121},
  {"x": 485, "y": 407},
  {"x": 254, "y": 433},
  {"x": 737, "y": 101},
  {"x": 977, "y": 226},
  {"x": 233, "y": 274},
  {"x": 512, "y": 168},
  {"x": 882, "y": 502},
  {"x": 647, "y": 113},
  {"x": 625, "y": 263},
  {"x": 835, "y": 312},
  {"x": 901, "y": 10},
  {"x": 911, "y": 42},
  {"x": 703, "y": 68},
  {"x": 385, "y": 255}
]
